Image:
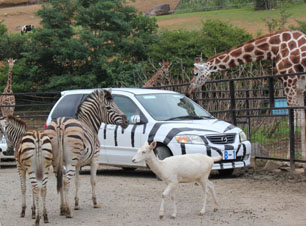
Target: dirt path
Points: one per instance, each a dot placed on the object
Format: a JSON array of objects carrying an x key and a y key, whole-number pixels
[
  {"x": 15, "y": 17},
  {"x": 133, "y": 198}
]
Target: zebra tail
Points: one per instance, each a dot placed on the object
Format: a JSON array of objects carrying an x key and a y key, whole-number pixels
[
  {"x": 39, "y": 158},
  {"x": 59, "y": 164}
]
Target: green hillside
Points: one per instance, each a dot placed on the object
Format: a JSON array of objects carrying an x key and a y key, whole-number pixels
[{"x": 246, "y": 18}]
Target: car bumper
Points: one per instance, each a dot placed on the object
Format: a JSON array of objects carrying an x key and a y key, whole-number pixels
[{"x": 242, "y": 153}]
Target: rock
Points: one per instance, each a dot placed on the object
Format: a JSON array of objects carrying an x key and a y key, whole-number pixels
[
  {"x": 259, "y": 151},
  {"x": 159, "y": 10},
  {"x": 272, "y": 165}
]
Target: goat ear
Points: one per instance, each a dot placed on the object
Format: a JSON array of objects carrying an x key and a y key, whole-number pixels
[{"x": 153, "y": 145}]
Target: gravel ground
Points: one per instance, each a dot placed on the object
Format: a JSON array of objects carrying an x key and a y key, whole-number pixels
[{"x": 133, "y": 198}]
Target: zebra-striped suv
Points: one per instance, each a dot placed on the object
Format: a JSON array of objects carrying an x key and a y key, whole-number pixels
[{"x": 175, "y": 122}]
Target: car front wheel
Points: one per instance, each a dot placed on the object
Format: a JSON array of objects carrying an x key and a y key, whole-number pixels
[
  {"x": 226, "y": 172},
  {"x": 162, "y": 152}
]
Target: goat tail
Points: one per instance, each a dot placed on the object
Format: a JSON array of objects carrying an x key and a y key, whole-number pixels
[
  {"x": 59, "y": 164},
  {"x": 38, "y": 157},
  {"x": 217, "y": 158}
]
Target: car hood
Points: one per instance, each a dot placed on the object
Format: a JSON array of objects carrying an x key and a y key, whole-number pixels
[{"x": 206, "y": 126}]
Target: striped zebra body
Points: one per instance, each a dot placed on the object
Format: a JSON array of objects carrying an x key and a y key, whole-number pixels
[
  {"x": 75, "y": 143},
  {"x": 33, "y": 156}
]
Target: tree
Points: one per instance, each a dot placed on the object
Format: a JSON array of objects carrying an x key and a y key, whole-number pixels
[
  {"x": 265, "y": 4},
  {"x": 182, "y": 47},
  {"x": 86, "y": 44}
]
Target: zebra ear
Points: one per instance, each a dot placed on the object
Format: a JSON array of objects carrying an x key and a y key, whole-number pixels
[{"x": 108, "y": 95}]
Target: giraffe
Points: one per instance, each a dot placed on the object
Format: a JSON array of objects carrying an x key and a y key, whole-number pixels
[
  {"x": 286, "y": 48},
  {"x": 8, "y": 99},
  {"x": 159, "y": 76}
]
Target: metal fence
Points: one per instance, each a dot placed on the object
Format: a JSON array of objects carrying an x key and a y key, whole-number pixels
[{"x": 262, "y": 112}]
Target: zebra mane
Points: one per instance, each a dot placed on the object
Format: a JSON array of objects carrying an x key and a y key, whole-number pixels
[
  {"x": 92, "y": 98},
  {"x": 16, "y": 121}
]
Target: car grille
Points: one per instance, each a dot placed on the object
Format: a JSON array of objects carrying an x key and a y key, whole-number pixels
[{"x": 222, "y": 139}]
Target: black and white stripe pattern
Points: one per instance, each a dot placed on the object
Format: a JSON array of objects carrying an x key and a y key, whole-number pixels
[
  {"x": 33, "y": 156},
  {"x": 75, "y": 142}
]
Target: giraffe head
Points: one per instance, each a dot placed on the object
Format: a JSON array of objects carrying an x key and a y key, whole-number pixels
[
  {"x": 201, "y": 72},
  {"x": 11, "y": 62},
  {"x": 165, "y": 68}
]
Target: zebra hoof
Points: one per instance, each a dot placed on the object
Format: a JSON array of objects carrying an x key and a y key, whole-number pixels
[
  {"x": 62, "y": 211},
  {"x": 97, "y": 206},
  {"x": 68, "y": 213},
  {"x": 46, "y": 220}
]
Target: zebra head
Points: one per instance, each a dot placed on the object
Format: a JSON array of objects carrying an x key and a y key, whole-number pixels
[
  {"x": 3, "y": 133},
  {"x": 14, "y": 128},
  {"x": 110, "y": 112},
  {"x": 2, "y": 127}
]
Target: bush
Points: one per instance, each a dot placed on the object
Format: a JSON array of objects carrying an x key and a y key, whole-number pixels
[{"x": 182, "y": 47}]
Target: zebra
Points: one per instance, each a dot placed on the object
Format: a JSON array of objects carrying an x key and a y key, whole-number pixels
[
  {"x": 33, "y": 156},
  {"x": 75, "y": 143}
]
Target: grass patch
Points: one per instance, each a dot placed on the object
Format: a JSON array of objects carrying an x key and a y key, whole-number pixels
[{"x": 246, "y": 18}]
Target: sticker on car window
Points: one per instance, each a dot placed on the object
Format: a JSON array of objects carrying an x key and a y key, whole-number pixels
[{"x": 149, "y": 97}]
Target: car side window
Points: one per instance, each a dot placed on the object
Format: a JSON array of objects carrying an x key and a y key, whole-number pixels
[
  {"x": 127, "y": 106},
  {"x": 68, "y": 106}
]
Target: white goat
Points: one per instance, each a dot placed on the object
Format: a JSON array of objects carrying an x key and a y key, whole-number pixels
[{"x": 179, "y": 169}]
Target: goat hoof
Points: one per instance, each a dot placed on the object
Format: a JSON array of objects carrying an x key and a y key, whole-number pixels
[
  {"x": 76, "y": 208},
  {"x": 173, "y": 216},
  {"x": 201, "y": 213},
  {"x": 161, "y": 216},
  {"x": 215, "y": 209}
]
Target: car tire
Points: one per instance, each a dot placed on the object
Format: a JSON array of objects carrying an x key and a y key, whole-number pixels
[
  {"x": 226, "y": 172},
  {"x": 162, "y": 152}
]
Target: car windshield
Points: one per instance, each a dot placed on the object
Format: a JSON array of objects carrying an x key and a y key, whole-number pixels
[{"x": 172, "y": 106}]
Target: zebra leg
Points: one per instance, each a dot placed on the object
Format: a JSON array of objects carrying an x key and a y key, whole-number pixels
[
  {"x": 33, "y": 208},
  {"x": 69, "y": 173},
  {"x": 43, "y": 193},
  {"x": 22, "y": 175},
  {"x": 77, "y": 185},
  {"x": 36, "y": 203},
  {"x": 93, "y": 172},
  {"x": 62, "y": 206}
]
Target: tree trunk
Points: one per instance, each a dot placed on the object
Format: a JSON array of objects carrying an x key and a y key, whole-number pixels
[{"x": 265, "y": 4}]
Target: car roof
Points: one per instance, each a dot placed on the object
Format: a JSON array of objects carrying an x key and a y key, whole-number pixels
[{"x": 135, "y": 91}]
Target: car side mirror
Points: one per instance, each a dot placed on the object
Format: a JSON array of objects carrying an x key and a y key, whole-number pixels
[{"x": 135, "y": 119}]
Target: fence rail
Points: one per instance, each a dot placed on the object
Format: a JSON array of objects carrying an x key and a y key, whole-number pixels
[{"x": 270, "y": 128}]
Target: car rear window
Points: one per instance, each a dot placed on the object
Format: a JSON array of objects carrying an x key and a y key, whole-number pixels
[{"x": 68, "y": 106}]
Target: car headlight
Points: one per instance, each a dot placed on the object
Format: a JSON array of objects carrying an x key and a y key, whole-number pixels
[
  {"x": 189, "y": 139},
  {"x": 242, "y": 136}
]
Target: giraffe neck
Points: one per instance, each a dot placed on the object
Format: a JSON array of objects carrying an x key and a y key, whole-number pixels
[
  {"x": 157, "y": 77},
  {"x": 8, "y": 87},
  {"x": 256, "y": 50}
]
